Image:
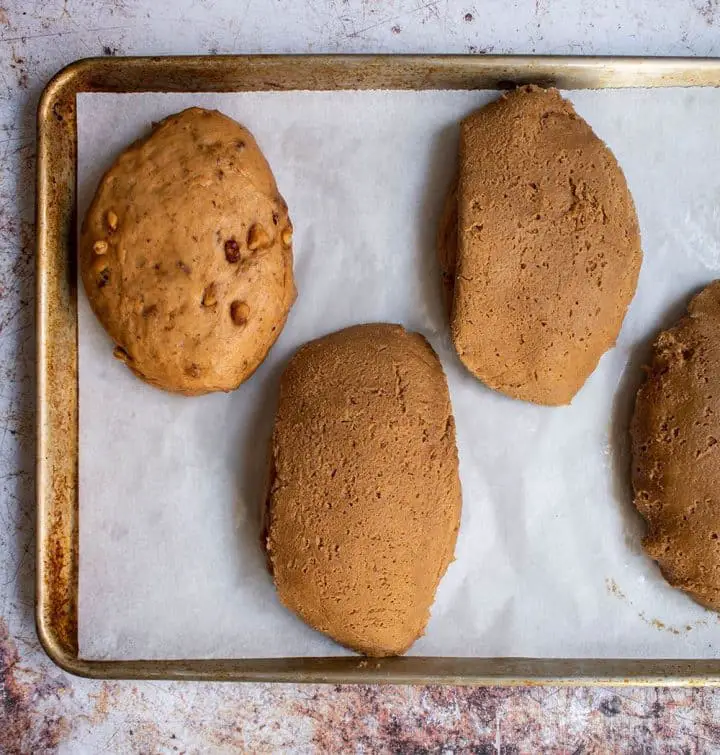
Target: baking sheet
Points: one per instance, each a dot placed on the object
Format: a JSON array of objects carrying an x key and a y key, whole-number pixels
[{"x": 548, "y": 561}]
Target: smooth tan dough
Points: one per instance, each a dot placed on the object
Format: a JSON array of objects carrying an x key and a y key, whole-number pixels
[
  {"x": 186, "y": 254},
  {"x": 364, "y": 503},
  {"x": 676, "y": 451},
  {"x": 548, "y": 249}
]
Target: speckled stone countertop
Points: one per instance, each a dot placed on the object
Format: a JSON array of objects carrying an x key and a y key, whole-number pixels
[{"x": 43, "y": 709}]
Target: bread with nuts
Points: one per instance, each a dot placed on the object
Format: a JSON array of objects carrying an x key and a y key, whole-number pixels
[
  {"x": 186, "y": 254},
  {"x": 364, "y": 502},
  {"x": 547, "y": 250},
  {"x": 676, "y": 451}
]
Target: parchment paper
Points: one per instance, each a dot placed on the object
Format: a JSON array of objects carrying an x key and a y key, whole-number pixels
[{"x": 548, "y": 558}]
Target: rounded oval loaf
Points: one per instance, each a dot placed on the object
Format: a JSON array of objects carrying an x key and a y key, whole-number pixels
[
  {"x": 186, "y": 254},
  {"x": 548, "y": 247},
  {"x": 676, "y": 451},
  {"x": 364, "y": 501}
]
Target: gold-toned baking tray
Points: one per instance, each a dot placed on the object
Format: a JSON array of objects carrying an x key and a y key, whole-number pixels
[{"x": 57, "y": 417}]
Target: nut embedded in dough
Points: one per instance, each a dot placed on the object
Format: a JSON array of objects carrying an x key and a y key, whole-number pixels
[
  {"x": 258, "y": 238},
  {"x": 101, "y": 271},
  {"x": 209, "y": 296},
  {"x": 239, "y": 312},
  {"x": 120, "y": 354}
]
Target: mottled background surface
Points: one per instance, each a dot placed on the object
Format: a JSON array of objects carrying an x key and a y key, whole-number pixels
[{"x": 44, "y": 710}]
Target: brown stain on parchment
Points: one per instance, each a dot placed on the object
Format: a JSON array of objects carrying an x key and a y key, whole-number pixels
[{"x": 614, "y": 589}]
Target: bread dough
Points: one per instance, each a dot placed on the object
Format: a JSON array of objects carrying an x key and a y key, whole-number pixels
[
  {"x": 364, "y": 502},
  {"x": 676, "y": 454},
  {"x": 548, "y": 247},
  {"x": 186, "y": 254}
]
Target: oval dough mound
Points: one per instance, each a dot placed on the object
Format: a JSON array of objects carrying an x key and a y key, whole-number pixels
[
  {"x": 364, "y": 502},
  {"x": 186, "y": 254},
  {"x": 548, "y": 247},
  {"x": 676, "y": 455}
]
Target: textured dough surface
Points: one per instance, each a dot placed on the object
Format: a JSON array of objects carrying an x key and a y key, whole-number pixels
[
  {"x": 676, "y": 455},
  {"x": 548, "y": 247},
  {"x": 364, "y": 501},
  {"x": 186, "y": 254}
]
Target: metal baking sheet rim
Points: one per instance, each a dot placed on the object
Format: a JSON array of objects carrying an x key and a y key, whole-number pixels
[{"x": 56, "y": 322}]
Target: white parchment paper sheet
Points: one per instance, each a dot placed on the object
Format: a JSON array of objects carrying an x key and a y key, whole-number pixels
[{"x": 548, "y": 558}]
